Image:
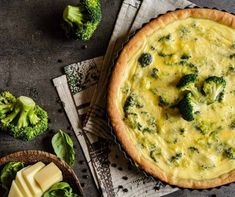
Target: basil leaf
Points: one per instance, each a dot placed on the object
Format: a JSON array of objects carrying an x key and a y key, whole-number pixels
[
  {"x": 61, "y": 189},
  {"x": 63, "y": 147},
  {"x": 8, "y": 174}
]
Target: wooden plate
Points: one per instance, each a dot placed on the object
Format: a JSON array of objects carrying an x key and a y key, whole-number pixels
[{"x": 33, "y": 156}]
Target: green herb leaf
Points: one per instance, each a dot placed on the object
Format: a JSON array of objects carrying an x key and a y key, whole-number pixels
[
  {"x": 8, "y": 174},
  {"x": 63, "y": 147},
  {"x": 61, "y": 189}
]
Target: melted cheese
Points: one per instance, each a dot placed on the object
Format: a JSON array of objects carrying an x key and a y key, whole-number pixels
[{"x": 162, "y": 136}]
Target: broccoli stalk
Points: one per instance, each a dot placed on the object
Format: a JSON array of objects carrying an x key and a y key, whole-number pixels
[
  {"x": 188, "y": 107},
  {"x": 213, "y": 88},
  {"x": 25, "y": 109},
  {"x": 81, "y": 21},
  {"x": 26, "y": 120},
  {"x": 7, "y": 101}
]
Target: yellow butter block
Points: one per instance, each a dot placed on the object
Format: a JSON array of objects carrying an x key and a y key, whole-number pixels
[
  {"x": 15, "y": 191},
  {"x": 21, "y": 184},
  {"x": 48, "y": 176},
  {"x": 29, "y": 174}
]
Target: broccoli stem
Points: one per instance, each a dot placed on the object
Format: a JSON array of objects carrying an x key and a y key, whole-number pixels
[
  {"x": 10, "y": 117},
  {"x": 24, "y": 109},
  {"x": 73, "y": 14},
  {"x": 27, "y": 106}
]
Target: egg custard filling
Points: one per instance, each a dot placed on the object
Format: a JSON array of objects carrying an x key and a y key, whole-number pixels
[{"x": 176, "y": 99}]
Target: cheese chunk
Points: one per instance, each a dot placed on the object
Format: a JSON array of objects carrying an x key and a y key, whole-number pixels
[
  {"x": 29, "y": 174},
  {"x": 48, "y": 176},
  {"x": 15, "y": 191},
  {"x": 20, "y": 182}
]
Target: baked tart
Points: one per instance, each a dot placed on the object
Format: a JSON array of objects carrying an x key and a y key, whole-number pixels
[{"x": 171, "y": 98}]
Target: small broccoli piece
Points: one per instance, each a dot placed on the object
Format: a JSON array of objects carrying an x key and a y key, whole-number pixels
[
  {"x": 176, "y": 157},
  {"x": 187, "y": 82},
  {"x": 27, "y": 120},
  {"x": 145, "y": 59},
  {"x": 7, "y": 101},
  {"x": 132, "y": 101},
  {"x": 162, "y": 54},
  {"x": 165, "y": 38},
  {"x": 162, "y": 101},
  {"x": 191, "y": 67},
  {"x": 155, "y": 153},
  {"x": 185, "y": 57},
  {"x": 154, "y": 73},
  {"x": 229, "y": 153},
  {"x": 204, "y": 126},
  {"x": 131, "y": 120},
  {"x": 231, "y": 70},
  {"x": 213, "y": 87},
  {"x": 232, "y": 124},
  {"x": 188, "y": 107},
  {"x": 81, "y": 21},
  {"x": 232, "y": 56},
  {"x": 193, "y": 149}
]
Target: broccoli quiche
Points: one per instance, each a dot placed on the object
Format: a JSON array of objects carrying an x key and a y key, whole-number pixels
[{"x": 171, "y": 98}]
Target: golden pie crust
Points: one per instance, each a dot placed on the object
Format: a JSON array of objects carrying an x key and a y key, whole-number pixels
[{"x": 118, "y": 124}]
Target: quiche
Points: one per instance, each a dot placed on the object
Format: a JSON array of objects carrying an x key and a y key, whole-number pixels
[{"x": 171, "y": 98}]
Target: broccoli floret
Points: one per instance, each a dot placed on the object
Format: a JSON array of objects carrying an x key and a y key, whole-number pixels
[
  {"x": 188, "y": 107},
  {"x": 154, "y": 73},
  {"x": 190, "y": 67},
  {"x": 162, "y": 101},
  {"x": 162, "y": 54},
  {"x": 165, "y": 38},
  {"x": 155, "y": 153},
  {"x": 213, "y": 87},
  {"x": 229, "y": 152},
  {"x": 232, "y": 124},
  {"x": 187, "y": 82},
  {"x": 145, "y": 59},
  {"x": 185, "y": 57},
  {"x": 7, "y": 101},
  {"x": 81, "y": 21},
  {"x": 132, "y": 101},
  {"x": 193, "y": 149},
  {"x": 204, "y": 126},
  {"x": 176, "y": 157},
  {"x": 232, "y": 56},
  {"x": 27, "y": 120}
]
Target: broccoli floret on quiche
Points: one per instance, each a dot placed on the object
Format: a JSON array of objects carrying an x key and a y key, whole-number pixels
[
  {"x": 132, "y": 101},
  {"x": 213, "y": 88},
  {"x": 187, "y": 82},
  {"x": 229, "y": 153},
  {"x": 188, "y": 107},
  {"x": 145, "y": 59}
]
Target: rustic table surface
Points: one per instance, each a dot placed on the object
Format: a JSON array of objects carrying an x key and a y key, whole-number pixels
[{"x": 33, "y": 50}]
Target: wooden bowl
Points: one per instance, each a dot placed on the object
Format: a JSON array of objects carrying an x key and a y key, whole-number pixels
[{"x": 29, "y": 157}]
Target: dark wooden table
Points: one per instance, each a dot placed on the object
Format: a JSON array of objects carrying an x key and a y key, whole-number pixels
[{"x": 33, "y": 50}]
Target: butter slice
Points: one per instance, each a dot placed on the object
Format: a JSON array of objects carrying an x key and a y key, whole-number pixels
[
  {"x": 21, "y": 184},
  {"x": 29, "y": 174},
  {"x": 48, "y": 176},
  {"x": 15, "y": 191}
]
